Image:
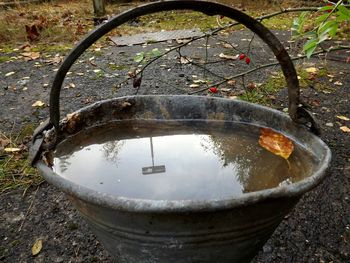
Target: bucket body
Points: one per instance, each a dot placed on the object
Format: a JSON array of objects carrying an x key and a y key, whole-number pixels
[
  {"x": 232, "y": 235},
  {"x": 138, "y": 230}
]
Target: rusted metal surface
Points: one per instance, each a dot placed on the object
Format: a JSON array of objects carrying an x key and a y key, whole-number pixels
[{"x": 156, "y": 37}]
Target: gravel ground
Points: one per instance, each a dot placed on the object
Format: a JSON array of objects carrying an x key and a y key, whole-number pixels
[{"x": 317, "y": 230}]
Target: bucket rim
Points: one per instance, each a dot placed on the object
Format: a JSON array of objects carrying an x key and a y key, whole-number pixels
[{"x": 128, "y": 204}]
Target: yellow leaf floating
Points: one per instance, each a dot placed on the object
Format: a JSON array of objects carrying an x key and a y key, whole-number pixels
[
  {"x": 276, "y": 143},
  {"x": 36, "y": 248}
]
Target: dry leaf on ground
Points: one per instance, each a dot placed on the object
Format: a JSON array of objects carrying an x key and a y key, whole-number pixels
[
  {"x": 343, "y": 118},
  {"x": 30, "y": 55},
  {"x": 345, "y": 128},
  {"x": 9, "y": 74},
  {"x": 311, "y": 70},
  {"x": 38, "y": 104},
  {"x": 276, "y": 143},
  {"x": 12, "y": 150},
  {"x": 231, "y": 82},
  {"x": 185, "y": 60},
  {"x": 222, "y": 55},
  {"x": 70, "y": 86},
  {"x": 37, "y": 246}
]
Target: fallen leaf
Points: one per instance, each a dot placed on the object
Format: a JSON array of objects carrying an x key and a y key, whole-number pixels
[
  {"x": 251, "y": 86},
  {"x": 12, "y": 150},
  {"x": 70, "y": 86},
  {"x": 37, "y": 246},
  {"x": 338, "y": 83},
  {"x": 222, "y": 55},
  {"x": 345, "y": 128},
  {"x": 55, "y": 60},
  {"x": 199, "y": 81},
  {"x": 9, "y": 74},
  {"x": 182, "y": 41},
  {"x": 38, "y": 104},
  {"x": 227, "y": 45},
  {"x": 185, "y": 60},
  {"x": 231, "y": 82},
  {"x": 311, "y": 70},
  {"x": 32, "y": 32},
  {"x": 343, "y": 118},
  {"x": 276, "y": 143},
  {"x": 125, "y": 104},
  {"x": 225, "y": 90},
  {"x": 30, "y": 55},
  {"x": 194, "y": 85},
  {"x": 4, "y": 142}
]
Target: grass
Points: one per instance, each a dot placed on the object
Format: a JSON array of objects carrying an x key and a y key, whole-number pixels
[
  {"x": 4, "y": 59},
  {"x": 62, "y": 23},
  {"x": 264, "y": 94},
  {"x": 15, "y": 170}
]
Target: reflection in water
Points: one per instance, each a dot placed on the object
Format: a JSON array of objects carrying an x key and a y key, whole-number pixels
[
  {"x": 111, "y": 150},
  {"x": 173, "y": 162}
]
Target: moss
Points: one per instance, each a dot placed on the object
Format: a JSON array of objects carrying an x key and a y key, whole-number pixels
[
  {"x": 52, "y": 48},
  {"x": 281, "y": 22},
  {"x": 4, "y": 59},
  {"x": 72, "y": 226},
  {"x": 263, "y": 94},
  {"x": 15, "y": 169},
  {"x": 174, "y": 20},
  {"x": 117, "y": 67}
]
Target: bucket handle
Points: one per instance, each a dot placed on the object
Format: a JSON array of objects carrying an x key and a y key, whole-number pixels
[{"x": 297, "y": 113}]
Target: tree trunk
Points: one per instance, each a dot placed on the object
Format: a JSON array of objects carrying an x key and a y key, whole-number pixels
[{"x": 99, "y": 8}]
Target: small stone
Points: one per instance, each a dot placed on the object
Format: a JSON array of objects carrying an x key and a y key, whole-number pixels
[
  {"x": 329, "y": 124},
  {"x": 267, "y": 249}
]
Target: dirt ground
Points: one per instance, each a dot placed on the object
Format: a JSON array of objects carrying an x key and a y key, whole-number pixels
[{"x": 317, "y": 230}]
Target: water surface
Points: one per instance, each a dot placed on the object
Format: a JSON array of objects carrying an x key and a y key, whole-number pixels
[{"x": 176, "y": 160}]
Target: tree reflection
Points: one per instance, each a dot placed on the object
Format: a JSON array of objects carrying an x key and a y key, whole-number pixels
[
  {"x": 257, "y": 168},
  {"x": 111, "y": 149}
]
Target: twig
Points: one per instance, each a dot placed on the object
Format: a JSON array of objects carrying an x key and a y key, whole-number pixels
[
  {"x": 215, "y": 32},
  {"x": 269, "y": 65},
  {"x": 206, "y": 55},
  {"x": 29, "y": 209}
]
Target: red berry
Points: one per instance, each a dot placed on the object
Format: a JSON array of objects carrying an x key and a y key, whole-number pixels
[
  {"x": 213, "y": 90},
  {"x": 241, "y": 56},
  {"x": 247, "y": 60},
  {"x": 329, "y": 4}
]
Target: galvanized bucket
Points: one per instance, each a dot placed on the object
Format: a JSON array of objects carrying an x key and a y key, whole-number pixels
[{"x": 137, "y": 230}]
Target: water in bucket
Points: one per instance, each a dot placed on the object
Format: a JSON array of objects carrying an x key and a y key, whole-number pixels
[{"x": 176, "y": 160}]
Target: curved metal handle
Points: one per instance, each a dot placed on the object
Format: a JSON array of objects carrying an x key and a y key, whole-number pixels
[{"x": 209, "y": 8}]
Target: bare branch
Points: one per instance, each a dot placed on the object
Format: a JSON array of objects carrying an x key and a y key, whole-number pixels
[{"x": 269, "y": 65}]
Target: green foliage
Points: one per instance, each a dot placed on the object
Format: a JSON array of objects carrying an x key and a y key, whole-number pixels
[
  {"x": 325, "y": 27},
  {"x": 142, "y": 56}
]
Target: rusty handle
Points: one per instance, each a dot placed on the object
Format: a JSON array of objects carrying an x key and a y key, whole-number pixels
[{"x": 209, "y": 8}]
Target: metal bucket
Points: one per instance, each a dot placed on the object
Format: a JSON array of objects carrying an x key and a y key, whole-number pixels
[{"x": 137, "y": 230}]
